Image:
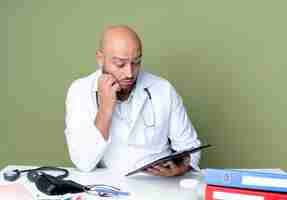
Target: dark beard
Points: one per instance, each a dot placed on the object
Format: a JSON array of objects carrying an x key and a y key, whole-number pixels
[{"x": 123, "y": 95}]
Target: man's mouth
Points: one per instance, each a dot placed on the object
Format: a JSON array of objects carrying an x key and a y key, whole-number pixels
[{"x": 127, "y": 82}]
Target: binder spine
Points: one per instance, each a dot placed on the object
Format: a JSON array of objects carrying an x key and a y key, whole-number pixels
[
  {"x": 224, "y": 193},
  {"x": 248, "y": 180}
]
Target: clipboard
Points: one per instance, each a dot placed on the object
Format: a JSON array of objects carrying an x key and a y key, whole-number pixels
[{"x": 176, "y": 156}]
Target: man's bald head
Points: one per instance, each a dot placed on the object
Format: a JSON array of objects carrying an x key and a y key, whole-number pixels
[
  {"x": 120, "y": 55},
  {"x": 120, "y": 36}
]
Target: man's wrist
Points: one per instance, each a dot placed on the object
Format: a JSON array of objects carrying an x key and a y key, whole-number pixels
[
  {"x": 106, "y": 111},
  {"x": 103, "y": 123}
]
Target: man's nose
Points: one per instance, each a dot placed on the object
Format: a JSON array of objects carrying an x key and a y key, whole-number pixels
[{"x": 129, "y": 70}]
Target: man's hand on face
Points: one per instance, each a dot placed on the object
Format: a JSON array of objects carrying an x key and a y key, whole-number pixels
[
  {"x": 169, "y": 168},
  {"x": 107, "y": 88}
]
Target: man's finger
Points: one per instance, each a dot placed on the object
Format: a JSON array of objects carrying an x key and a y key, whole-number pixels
[
  {"x": 154, "y": 171},
  {"x": 107, "y": 78},
  {"x": 158, "y": 167},
  {"x": 169, "y": 164},
  {"x": 116, "y": 87}
]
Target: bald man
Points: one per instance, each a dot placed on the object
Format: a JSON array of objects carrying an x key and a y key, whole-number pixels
[{"x": 122, "y": 117}]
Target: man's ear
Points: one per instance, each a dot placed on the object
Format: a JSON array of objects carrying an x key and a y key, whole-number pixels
[{"x": 100, "y": 58}]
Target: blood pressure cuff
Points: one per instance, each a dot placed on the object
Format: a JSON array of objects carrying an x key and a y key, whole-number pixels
[{"x": 51, "y": 185}]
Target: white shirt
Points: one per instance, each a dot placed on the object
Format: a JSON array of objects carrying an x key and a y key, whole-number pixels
[
  {"x": 123, "y": 110},
  {"x": 140, "y": 129}
]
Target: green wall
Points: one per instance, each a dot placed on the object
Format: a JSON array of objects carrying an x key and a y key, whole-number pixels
[{"x": 226, "y": 58}]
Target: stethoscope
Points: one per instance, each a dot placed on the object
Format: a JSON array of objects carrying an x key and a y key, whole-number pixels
[
  {"x": 56, "y": 185},
  {"x": 13, "y": 175},
  {"x": 148, "y": 116}
]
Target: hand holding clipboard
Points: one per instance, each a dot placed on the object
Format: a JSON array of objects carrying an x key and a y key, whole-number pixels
[{"x": 174, "y": 156}]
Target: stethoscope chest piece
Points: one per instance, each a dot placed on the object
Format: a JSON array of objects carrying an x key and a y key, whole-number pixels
[{"x": 12, "y": 175}]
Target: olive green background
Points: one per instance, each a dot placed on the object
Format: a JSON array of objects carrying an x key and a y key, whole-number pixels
[{"x": 226, "y": 58}]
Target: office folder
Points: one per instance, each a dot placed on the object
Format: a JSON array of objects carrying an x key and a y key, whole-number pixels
[
  {"x": 246, "y": 179},
  {"x": 225, "y": 193},
  {"x": 173, "y": 156}
]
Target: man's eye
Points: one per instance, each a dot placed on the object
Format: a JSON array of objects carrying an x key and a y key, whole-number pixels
[{"x": 119, "y": 64}]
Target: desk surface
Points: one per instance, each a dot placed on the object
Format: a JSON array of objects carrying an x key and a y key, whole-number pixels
[{"x": 140, "y": 186}]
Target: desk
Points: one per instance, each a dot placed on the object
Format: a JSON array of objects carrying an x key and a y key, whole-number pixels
[{"x": 140, "y": 186}]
